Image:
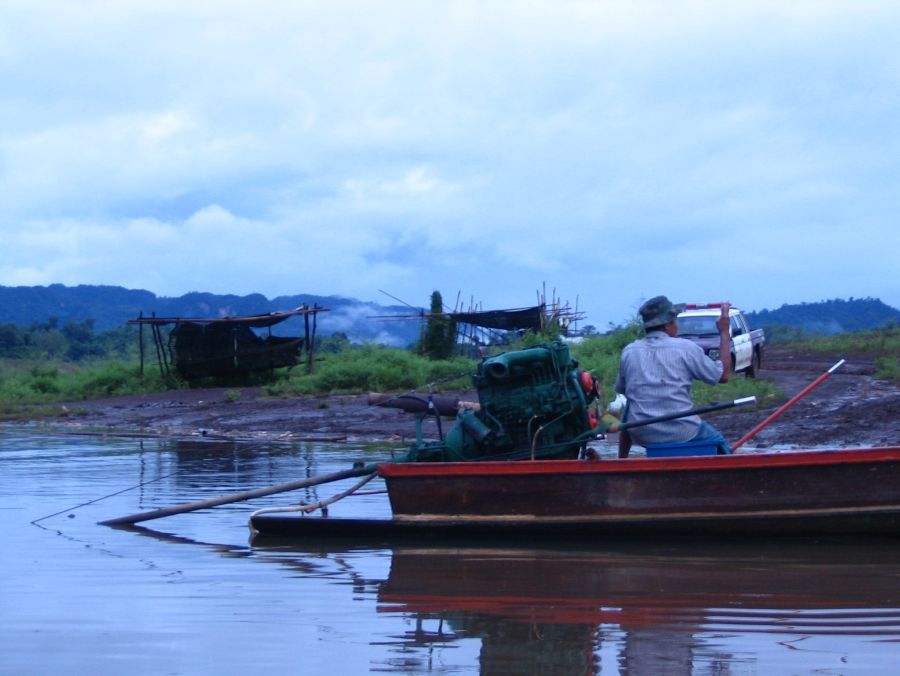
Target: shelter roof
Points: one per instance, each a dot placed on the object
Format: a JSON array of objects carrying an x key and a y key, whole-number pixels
[{"x": 255, "y": 321}]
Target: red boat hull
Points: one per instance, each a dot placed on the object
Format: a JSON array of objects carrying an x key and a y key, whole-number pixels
[{"x": 798, "y": 492}]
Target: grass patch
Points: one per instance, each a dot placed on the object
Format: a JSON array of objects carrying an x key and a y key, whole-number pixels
[
  {"x": 881, "y": 342},
  {"x": 884, "y": 342},
  {"x": 19, "y": 411},
  {"x": 736, "y": 388},
  {"x": 30, "y": 389}
]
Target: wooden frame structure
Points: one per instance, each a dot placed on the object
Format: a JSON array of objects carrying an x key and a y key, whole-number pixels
[
  {"x": 479, "y": 327},
  {"x": 226, "y": 347}
]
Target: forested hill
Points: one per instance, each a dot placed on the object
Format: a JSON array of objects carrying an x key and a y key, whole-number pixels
[
  {"x": 828, "y": 317},
  {"x": 110, "y": 307}
]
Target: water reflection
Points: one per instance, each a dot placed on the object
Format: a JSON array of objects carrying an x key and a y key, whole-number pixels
[
  {"x": 662, "y": 608},
  {"x": 190, "y": 593},
  {"x": 203, "y": 467}
]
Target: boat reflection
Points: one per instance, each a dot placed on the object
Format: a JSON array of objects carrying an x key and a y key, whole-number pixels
[
  {"x": 681, "y": 606},
  {"x": 658, "y": 606}
]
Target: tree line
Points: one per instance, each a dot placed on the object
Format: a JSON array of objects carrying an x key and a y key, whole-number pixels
[
  {"x": 79, "y": 341},
  {"x": 71, "y": 341}
]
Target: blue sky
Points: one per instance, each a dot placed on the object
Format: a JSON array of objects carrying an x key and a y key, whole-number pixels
[{"x": 608, "y": 151}]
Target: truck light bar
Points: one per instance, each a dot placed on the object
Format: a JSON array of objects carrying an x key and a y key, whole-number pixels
[{"x": 702, "y": 306}]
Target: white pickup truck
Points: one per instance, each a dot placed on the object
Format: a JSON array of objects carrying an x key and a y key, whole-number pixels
[{"x": 698, "y": 324}]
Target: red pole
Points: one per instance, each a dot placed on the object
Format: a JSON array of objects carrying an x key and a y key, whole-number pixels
[{"x": 793, "y": 400}]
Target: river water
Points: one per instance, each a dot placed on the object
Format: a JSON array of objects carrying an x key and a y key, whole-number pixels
[{"x": 193, "y": 594}]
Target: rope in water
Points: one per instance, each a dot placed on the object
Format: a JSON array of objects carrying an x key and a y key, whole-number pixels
[
  {"x": 91, "y": 502},
  {"x": 321, "y": 504}
]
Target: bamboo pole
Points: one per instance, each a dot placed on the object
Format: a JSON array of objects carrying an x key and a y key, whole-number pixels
[
  {"x": 683, "y": 414},
  {"x": 237, "y": 497},
  {"x": 793, "y": 400}
]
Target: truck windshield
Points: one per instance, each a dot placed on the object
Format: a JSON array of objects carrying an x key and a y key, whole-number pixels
[{"x": 697, "y": 326}]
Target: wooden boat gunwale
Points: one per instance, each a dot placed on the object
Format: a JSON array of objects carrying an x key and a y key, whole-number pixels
[{"x": 683, "y": 463}]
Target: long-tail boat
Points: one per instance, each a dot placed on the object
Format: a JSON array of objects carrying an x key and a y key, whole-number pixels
[{"x": 518, "y": 463}]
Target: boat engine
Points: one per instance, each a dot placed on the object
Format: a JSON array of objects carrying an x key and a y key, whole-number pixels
[{"x": 532, "y": 402}]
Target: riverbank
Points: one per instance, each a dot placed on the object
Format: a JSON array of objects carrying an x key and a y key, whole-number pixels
[{"x": 850, "y": 408}]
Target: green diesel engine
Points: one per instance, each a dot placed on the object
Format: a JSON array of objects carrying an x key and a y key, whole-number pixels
[{"x": 533, "y": 402}]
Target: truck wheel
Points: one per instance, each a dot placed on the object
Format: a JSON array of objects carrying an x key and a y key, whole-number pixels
[{"x": 755, "y": 365}]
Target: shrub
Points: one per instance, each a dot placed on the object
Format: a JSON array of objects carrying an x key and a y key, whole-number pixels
[
  {"x": 375, "y": 368},
  {"x": 888, "y": 368}
]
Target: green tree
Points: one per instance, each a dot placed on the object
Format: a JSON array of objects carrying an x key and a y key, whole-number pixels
[
  {"x": 439, "y": 341},
  {"x": 51, "y": 344},
  {"x": 80, "y": 336},
  {"x": 336, "y": 342},
  {"x": 11, "y": 341}
]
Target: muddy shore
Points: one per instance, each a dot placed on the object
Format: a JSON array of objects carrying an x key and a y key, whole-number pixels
[{"x": 850, "y": 408}]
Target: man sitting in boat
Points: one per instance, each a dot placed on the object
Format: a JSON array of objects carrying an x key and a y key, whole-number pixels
[{"x": 656, "y": 373}]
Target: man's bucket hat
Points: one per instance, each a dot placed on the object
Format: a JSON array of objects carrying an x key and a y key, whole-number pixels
[{"x": 659, "y": 311}]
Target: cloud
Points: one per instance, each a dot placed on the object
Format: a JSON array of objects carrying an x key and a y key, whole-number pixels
[{"x": 614, "y": 150}]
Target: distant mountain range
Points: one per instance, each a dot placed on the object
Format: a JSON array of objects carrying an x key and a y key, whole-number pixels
[
  {"x": 112, "y": 306},
  {"x": 829, "y": 317}
]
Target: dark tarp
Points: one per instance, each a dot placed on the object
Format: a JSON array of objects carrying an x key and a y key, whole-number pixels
[
  {"x": 227, "y": 349},
  {"x": 507, "y": 320}
]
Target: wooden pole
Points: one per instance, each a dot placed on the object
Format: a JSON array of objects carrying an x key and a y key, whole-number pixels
[
  {"x": 308, "y": 344},
  {"x": 312, "y": 343},
  {"x": 157, "y": 343},
  {"x": 141, "y": 343}
]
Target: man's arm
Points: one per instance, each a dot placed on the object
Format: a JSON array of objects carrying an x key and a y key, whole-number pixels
[{"x": 723, "y": 323}]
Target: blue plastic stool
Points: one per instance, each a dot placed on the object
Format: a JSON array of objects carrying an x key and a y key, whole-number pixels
[{"x": 682, "y": 448}]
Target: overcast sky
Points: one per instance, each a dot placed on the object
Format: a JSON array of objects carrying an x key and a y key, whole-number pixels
[{"x": 612, "y": 151}]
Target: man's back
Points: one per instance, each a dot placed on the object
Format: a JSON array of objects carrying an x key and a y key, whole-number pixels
[{"x": 655, "y": 375}]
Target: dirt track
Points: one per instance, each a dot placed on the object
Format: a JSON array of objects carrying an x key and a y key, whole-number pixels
[{"x": 850, "y": 408}]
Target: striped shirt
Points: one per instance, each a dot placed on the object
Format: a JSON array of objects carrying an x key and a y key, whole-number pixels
[{"x": 655, "y": 375}]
